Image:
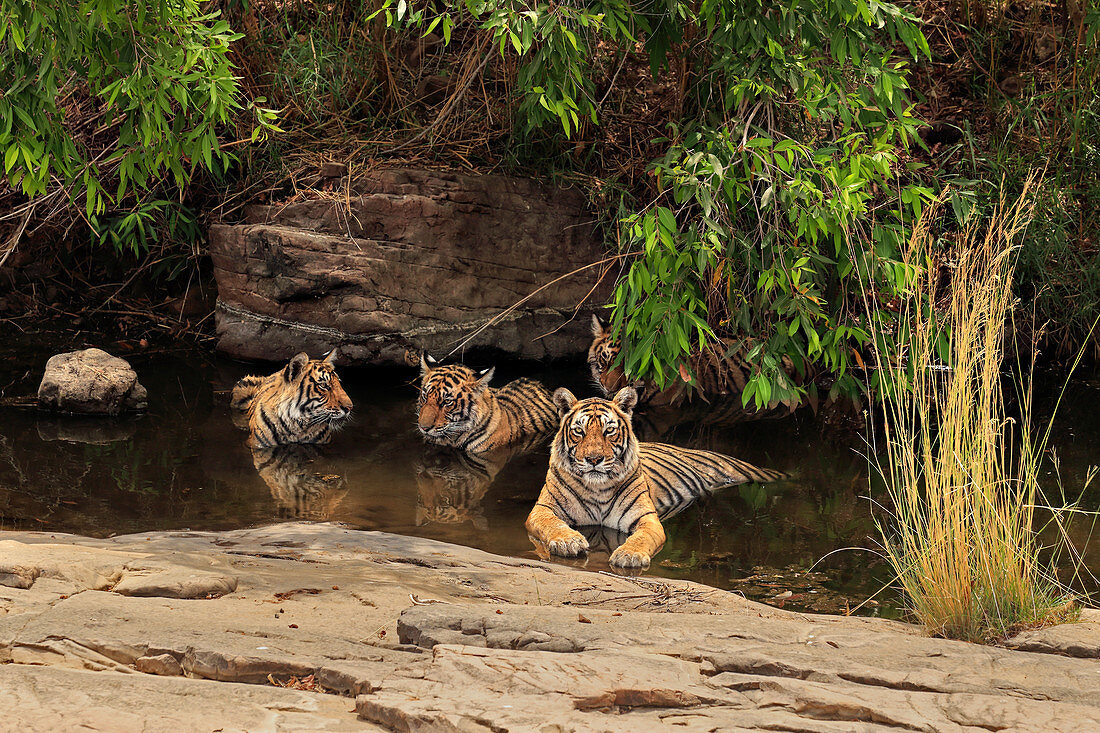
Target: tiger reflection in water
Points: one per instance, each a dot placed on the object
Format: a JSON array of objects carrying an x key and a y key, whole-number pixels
[
  {"x": 451, "y": 484},
  {"x": 300, "y": 492}
]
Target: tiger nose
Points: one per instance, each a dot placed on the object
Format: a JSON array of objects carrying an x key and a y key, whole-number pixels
[{"x": 594, "y": 461}]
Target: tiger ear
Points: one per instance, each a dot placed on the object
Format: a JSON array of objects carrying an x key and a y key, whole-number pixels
[
  {"x": 427, "y": 363},
  {"x": 625, "y": 399},
  {"x": 599, "y": 326},
  {"x": 294, "y": 369},
  {"x": 484, "y": 376},
  {"x": 330, "y": 358},
  {"x": 564, "y": 401}
]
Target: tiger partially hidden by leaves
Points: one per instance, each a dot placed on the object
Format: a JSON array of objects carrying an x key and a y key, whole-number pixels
[
  {"x": 458, "y": 408},
  {"x": 712, "y": 373},
  {"x": 601, "y": 475},
  {"x": 303, "y": 402}
]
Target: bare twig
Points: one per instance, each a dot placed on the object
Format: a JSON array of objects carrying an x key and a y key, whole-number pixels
[
  {"x": 451, "y": 103},
  {"x": 13, "y": 242},
  {"x": 498, "y": 317}
]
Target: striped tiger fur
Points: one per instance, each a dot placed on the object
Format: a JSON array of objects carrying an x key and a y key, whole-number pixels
[
  {"x": 714, "y": 374},
  {"x": 458, "y": 408},
  {"x": 303, "y": 402},
  {"x": 600, "y": 474}
]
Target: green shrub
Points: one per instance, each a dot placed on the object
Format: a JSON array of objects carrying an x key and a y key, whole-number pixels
[
  {"x": 105, "y": 101},
  {"x": 782, "y": 184}
]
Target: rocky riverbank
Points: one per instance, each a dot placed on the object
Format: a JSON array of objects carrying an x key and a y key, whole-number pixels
[{"x": 317, "y": 627}]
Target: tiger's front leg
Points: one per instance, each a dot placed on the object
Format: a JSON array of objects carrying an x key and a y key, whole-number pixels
[
  {"x": 644, "y": 542},
  {"x": 546, "y": 527}
]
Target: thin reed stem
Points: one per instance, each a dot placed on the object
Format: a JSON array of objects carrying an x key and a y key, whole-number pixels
[{"x": 962, "y": 540}]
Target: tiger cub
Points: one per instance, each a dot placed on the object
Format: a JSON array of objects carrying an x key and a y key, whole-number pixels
[
  {"x": 301, "y": 403},
  {"x": 715, "y": 374},
  {"x": 600, "y": 474},
  {"x": 458, "y": 408}
]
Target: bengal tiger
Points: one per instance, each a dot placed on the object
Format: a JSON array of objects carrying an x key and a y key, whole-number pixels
[
  {"x": 458, "y": 408},
  {"x": 600, "y": 474},
  {"x": 714, "y": 374},
  {"x": 303, "y": 402}
]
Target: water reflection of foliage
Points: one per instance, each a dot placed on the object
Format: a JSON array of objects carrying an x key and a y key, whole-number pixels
[
  {"x": 137, "y": 468},
  {"x": 50, "y": 477}
]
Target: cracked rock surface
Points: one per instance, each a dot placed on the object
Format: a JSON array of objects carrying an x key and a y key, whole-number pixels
[
  {"x": 411, "y": 259},
  {"x": 200, "y": 631}
]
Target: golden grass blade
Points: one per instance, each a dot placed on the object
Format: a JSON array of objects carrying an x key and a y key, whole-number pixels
[{"x": 962, "y": 541}]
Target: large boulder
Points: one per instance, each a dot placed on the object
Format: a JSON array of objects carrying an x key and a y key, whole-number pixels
[
  {"x": 91, "y": 382},
  {"x": 411, "y": 260}
]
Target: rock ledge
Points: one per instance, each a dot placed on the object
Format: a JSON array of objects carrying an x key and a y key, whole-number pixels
[{"x": 473, "y": 642}]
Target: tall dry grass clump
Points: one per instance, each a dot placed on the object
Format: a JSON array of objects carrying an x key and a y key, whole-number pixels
[{"x": 963, "y": 542}]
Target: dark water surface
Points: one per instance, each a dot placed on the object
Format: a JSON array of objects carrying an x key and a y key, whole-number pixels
[{"x": 185, "y": 465}]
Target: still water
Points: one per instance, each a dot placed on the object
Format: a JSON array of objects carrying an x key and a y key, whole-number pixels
[{"x": 810, "y": 541}]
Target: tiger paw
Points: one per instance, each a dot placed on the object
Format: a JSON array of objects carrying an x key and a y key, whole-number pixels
[
  {"x": 568, "y": 543},
  {"x": 626, "y": 558}
]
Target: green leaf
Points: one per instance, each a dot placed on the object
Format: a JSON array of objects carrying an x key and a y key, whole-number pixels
[
  {"x": 668, "y": 221},
  {"x": 10, "y": 156}
]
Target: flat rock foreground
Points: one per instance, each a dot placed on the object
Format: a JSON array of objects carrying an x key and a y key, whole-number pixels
[{"x": 199, "y": 631}]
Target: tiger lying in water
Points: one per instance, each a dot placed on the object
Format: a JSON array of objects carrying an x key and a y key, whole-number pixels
[
  {"x": 458, "y": 408},
  {"x": 600, "y": 474},
  {"x": 714, "y": 375},
  {"x": 303, "y": 402}
]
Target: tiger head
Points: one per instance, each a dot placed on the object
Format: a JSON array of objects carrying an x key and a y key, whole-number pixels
[
  {"x": 311, "y": 392},
  {"x": 608, "y": 376},
  {"x": 451, "y": 401},
  {"x": 596, "y": 441}
]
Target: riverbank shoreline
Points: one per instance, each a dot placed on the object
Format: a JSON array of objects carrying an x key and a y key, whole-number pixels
[{"x": 375, "y": 631}]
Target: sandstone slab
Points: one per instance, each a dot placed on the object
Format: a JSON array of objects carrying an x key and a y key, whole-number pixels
[
  {"x": 176, "y": 584},
  {"x": 50, "y": 700},
  {"x": 329, "y": 628},
  {"x": 413, "y": 260}
]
